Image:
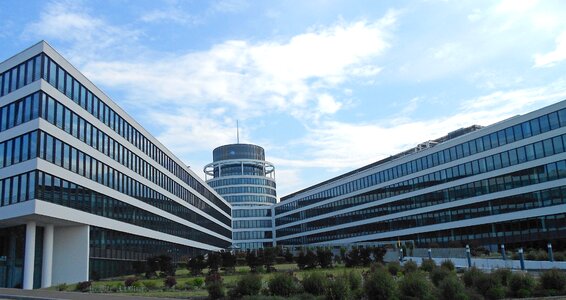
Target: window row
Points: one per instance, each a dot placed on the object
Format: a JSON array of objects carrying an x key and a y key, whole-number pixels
[
  {"x": 248, "y": 213},
  {"x": 18, "y": 149},
  {"x": 20, "y": 75},
  {"x": 238, "y": 169},
  {"x": 113, "y": 253},
  {"x": 540, "y": 174},
  {"x": 59, "y": 191},
  {"x": 502, "y": 137},
  {"x": 241, "y": 181},
  {"x": 59, "y": 153},
  {"x": 19, "y": 112},
  {"x": 251, "y": 224},
  {"x": 252, "y": 235},
  {"x": 544, "y": 148},
  {"x": 245, "y": 190},
  {"x": 543, "y": 198},
  {"x": 62, "y": 117},
  {"x": 74, "y": 90},
  {"x": 521, "y": 231},
  {"x": 18, "y": 188},
  {"x": 252, "y": 246},
  {"x": 250, "y": 198}
]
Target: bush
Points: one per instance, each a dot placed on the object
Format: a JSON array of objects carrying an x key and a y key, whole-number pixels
[
  {"x": 428, "y": 265},
  {"x": 315, "y": 283},
  {"x": 380, "y": 285},
  {"x": 409, "y": 267},
  {"x": 448, "y": 265},
  {"x": 354, "y": 279},
  {"x": 489, "y": 287},
  {"x": 150, "y": 285},
  {"x": 198, "y": 282},
  {"x": 415, "y": 286},
  {"x": 247, "y": 285},
  {"x": 282, "y": 284},
  {"x": 62, "y": 287},
  {"x": 553, "y": 279},
  {"x": 214, "y": 286},
  {"x": 130, "y": 281},
  {"x": 338, "y": 289},
  {"x": 438, "y": 275},
  {"x": 521, "y": 285},
  {"x": 451, "y": 288},
  {"x": 324, "y": 256},
  {"x": 559, "y": 256},
  {"x": 170, "y": 281},
  {"x": 394, "y": 268},
  {"x": 471, "y": 275},
  {"x": 503, "y": 276},
  {"x": 83, "y": 286}
]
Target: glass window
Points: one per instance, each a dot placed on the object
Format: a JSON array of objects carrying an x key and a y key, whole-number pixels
[
  {"x": 553, "y": 120},
  {"x": 8, "y": 158},
  {"x": 29, "y": 71},
  {"x": 562, "y": 117},
  {"x": 33, "y": 144},
  {"x": 61, "y": 79},
  {"x": 2, "y": 146},
  {"x": 558, "y": 146},
  {"x": 544, "y": 124},
  {"x": 25, "y": 147},
  {"x": 51, "y": 110},
  {"x": 59, "y": 116},
  {"x": 535, "y": 126}
]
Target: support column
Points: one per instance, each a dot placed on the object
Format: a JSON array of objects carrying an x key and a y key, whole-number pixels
[
  {"x": 29, "y": 255},
  {"x": 47, "y": 265}
]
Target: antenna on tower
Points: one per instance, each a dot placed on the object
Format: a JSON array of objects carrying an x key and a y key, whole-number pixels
[{"x": 237, "y": 132}]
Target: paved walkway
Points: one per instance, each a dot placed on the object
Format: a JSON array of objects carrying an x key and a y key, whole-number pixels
[{"x": 54, "y": 295}]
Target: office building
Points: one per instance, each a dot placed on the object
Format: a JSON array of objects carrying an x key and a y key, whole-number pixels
[
  {"x": 85, "y": 191},
  {"x": 240, "y": 173},
  {"x": 500, "y": 184}
]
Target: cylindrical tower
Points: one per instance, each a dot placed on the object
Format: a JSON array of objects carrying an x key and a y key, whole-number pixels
[{"x": 240, "y": 174}]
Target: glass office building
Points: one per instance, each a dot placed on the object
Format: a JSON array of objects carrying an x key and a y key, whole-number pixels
[
  {"x": 85, "y": 191},
  {"x": 500, "y": 184},
  {"x": 241, "y": 175}
]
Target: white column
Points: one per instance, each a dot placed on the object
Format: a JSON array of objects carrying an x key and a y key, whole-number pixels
[
  {"x": 47, "y": 264},
  {"x": 29, "y": 255}
]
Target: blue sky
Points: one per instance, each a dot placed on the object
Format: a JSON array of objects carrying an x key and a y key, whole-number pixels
[{"x": 324, "y": 86}]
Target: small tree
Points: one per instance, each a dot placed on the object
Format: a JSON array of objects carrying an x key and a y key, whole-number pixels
[
  {"x": 352, "y": 258},
  {"x": 214, "y": 286},
  {"x": 282, "y": 284},
  {"x": 288, "y": 256},
  {"x": 380, "y": 285},
  {"x": 324, "y": 256},
  {"x": 213, "y": 261},
  {"x": 268, "y": 258},
  {"x": 301, "y": 261},
  {"x": 378, "y": 254},
  {"x": 252, "y": 261},
  {"x": 365, "y": 256},
  {"x": 228, "y": 261},
  {"x": 311, "y": 260},
  {"x": 196, "y": 264},
  {"x": 166, "y": 265}
]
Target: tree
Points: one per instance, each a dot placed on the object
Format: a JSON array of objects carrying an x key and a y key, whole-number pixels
[
  {"x": 166, "y": 265},
  {"x": 268, "y": 258},
  {"x": 324, "y": 256},
  {"x": 288, "y": 256},
  {"x": 301, "y": 261},
  {"x": 196, "y": 264},
  {"x": 379, "y": 253},
  {"x": 228, "y": 261},
  {"x": 213, "y": 261},
  {"x": 365, "y": 256},
  {"x": 252, "y": 261},
  {"x": 311, "y": 261}
]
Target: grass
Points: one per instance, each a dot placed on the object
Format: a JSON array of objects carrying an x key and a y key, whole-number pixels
[{"x": 183, "y": 276}]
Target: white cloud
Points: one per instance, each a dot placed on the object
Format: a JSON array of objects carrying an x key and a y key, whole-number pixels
[
  {"x": 327, "y": 104},
  {"x": 556, "y": 56},
  {"x": 175, "y": 15}
]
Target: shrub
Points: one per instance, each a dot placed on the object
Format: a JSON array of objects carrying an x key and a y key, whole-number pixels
[
  {"x": 198, "y": 282},
  {"x": 541, "y": 255},
  {"x": 62, "y": 287},
  {"x": 428, "y": 265},
  {"x": 531, "y": 255},
  {"x": 324, "y": 256},
  {"x": 451, "y": 288},
  {"x": 380, "y": 285},
  {"x": 438, "y": 275},
  {"x": 338, "y": 289},
  {"x": 196, "y": 264},
  {"x": 415, "y": 286},
  {"x": 354, "y": 279},
  {"x": 170, "y": 281},
  {"x": 521, "y": 285},
  {"x": 83, "y": 286},
  {"x": 409, "y": 267},
  {"x": 282, "y": 284},
  {"x": 214, "y": 286},
  {"x": 502, "y": 275},
  {"x": 394, "y": 267},
  {"x": 150, "y": 285},
  {"x": 471, "y": 275},
  {"x": 315, "y": 283},
  {"x": 553, "y": 279},
  {"x": 130, "y": 281},
  {"x": 489, "y": 287},
  {"x": 247, "y": 285},
  {"x": 448, "y": 265},
  {"x": 559, "y": 256}
]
